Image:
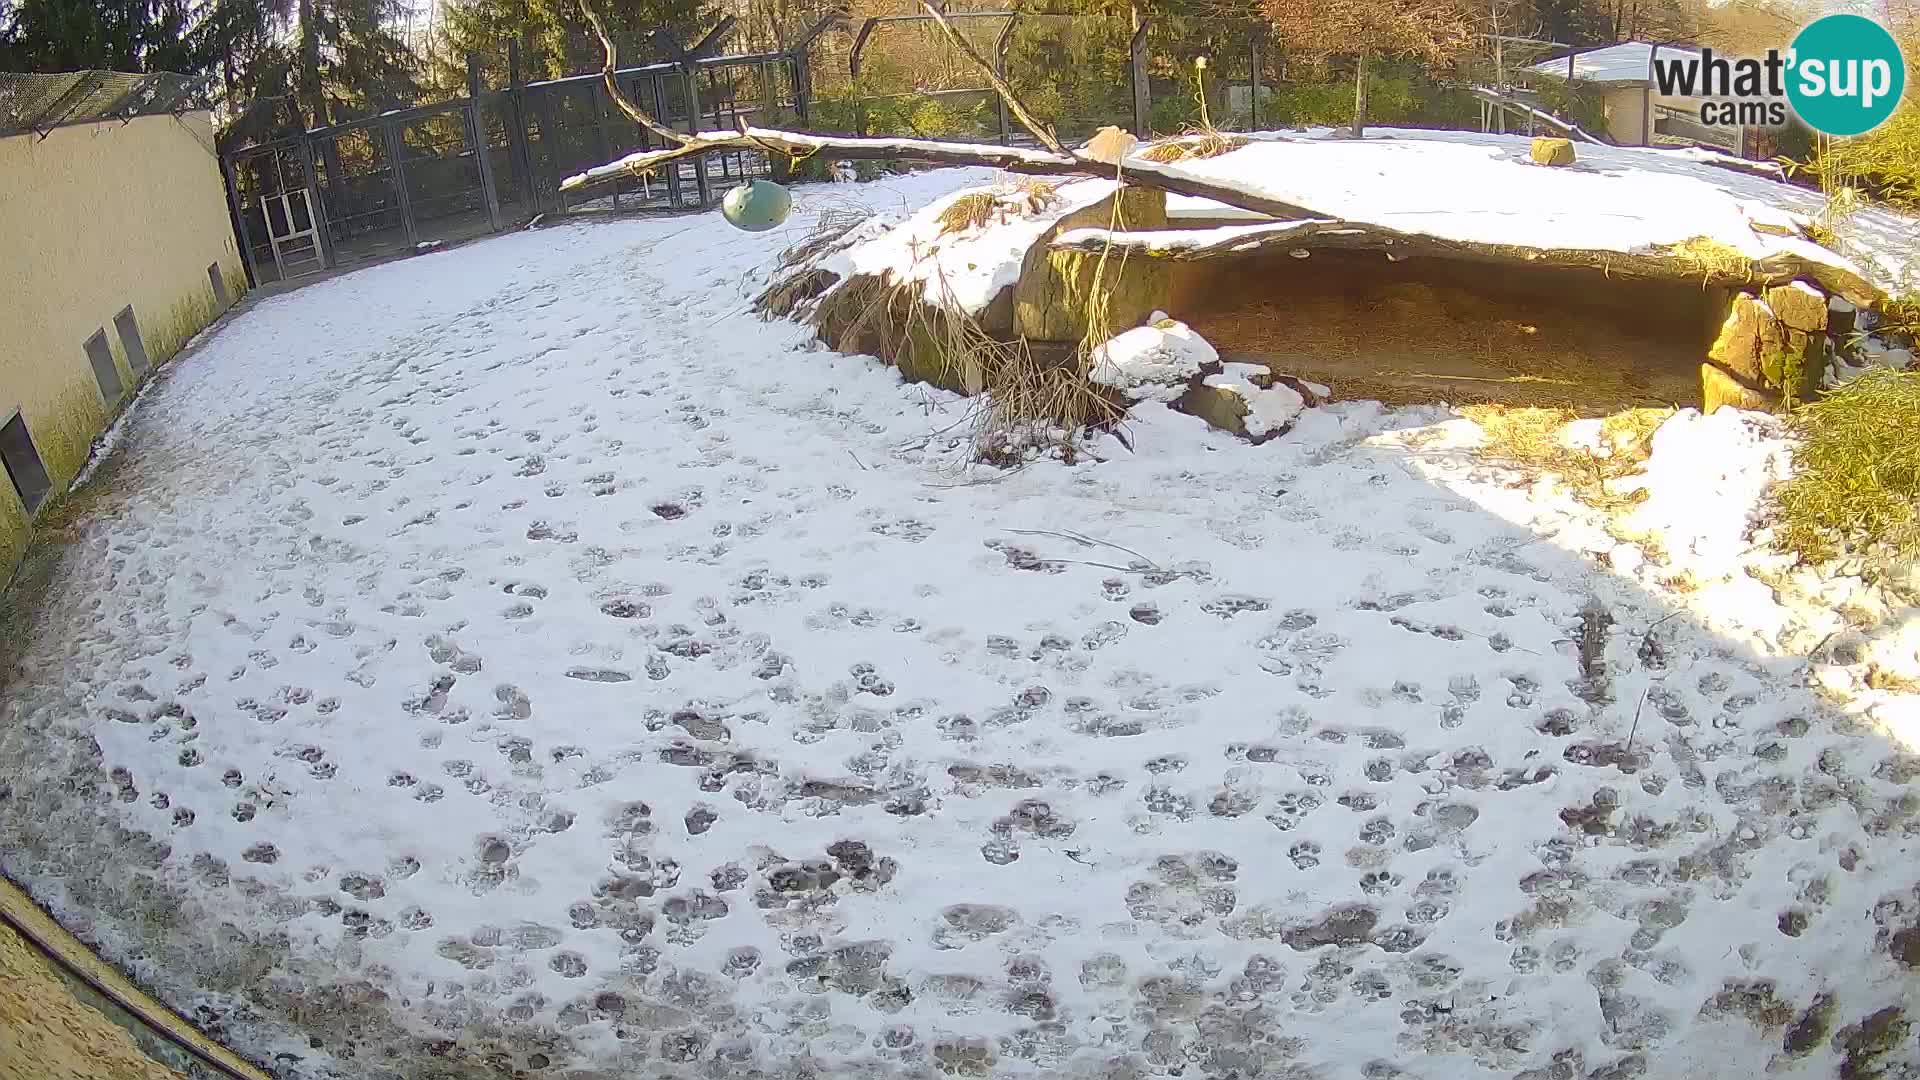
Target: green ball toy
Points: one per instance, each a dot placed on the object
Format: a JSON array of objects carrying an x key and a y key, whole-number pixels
[{"x": 757, "y": 206}]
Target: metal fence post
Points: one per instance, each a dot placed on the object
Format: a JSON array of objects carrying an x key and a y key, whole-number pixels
[
  {"x": 236, "y": 207},
  {"x": 601, "y": 139},
  {"x": 520, "y": 154},
  {"x": 1253, "y": 101},
  {"x": 660, "y": 113},
  {"x": 396, "y": 162},
  {"x": 693, "y": 127},
  {"x": 480, "y": 140},
  {"x": 1000, "y": 61},
  {"x": 550, "y": 143},
  {"x": 1141, "y": 102},
  {"x": 315, "y": 210},
  {"x": 802, "y": 91}
]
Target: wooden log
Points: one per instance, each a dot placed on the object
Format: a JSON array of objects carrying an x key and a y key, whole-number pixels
[{"x": 1012, "y": 159}]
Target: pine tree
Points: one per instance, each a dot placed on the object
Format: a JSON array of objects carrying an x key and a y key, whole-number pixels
[
  {"x": 350, "y": 60},
  {"x": 554, "y": 38}
]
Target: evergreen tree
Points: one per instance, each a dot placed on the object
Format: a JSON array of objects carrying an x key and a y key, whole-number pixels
[
  {"x": 554, "y": 37},
  {"x": 110, "y": 35}
]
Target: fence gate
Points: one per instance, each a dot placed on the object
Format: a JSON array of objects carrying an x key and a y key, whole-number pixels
[
  {"x": 281, "y": 234},
  {"x": 294, "y": 237},
  {"x": 412, "y": 179}
]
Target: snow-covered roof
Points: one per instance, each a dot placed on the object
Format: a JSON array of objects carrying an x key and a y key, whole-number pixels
[{"x": 1627, "y": 62}]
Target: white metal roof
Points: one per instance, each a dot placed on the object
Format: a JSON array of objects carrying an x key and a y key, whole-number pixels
[{"x": 1627, "y": 62}]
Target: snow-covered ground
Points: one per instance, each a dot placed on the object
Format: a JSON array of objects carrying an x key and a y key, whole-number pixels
[{"x": 522, "y": 658}]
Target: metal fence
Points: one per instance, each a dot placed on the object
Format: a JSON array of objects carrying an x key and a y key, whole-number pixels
[
  {"x": 414, "y": 178},
  {"x": 1082, "y": 72},
  {"x": 41, "y": 103}
]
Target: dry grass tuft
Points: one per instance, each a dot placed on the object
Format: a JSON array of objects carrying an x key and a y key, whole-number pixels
[
  {"x": 1856, "y": 482},
  {"x": 1027, "y": 399},
  {"x": 978, "y": 208},
  {"x": 1529, "y": 438},
  {"x": 827, "y": 233},
  {"x": 1683, "y": 582},
  {"x": 1036, "y": 193},
  {"x": 1023, "y": 399},
  {"x": 969, "y": 211},
  {"x": 1198, "y": 144},
  {"x": 1822, "y": 235},
  {"x": 1712, "y": 259}
]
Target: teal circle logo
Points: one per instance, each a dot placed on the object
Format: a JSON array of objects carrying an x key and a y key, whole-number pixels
[{"x": 1846, "y": 75}]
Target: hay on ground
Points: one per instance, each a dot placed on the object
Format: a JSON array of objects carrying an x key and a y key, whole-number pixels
[
  {"x": 1533, "y": 439},
  {"x": 969, "y": 211},
  {"x": 1198, "y": 144},
  {"x": 1422, "y": 354}
]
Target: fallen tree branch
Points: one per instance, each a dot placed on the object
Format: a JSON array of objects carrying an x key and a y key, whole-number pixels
[{"x": 1012, "y": 159}]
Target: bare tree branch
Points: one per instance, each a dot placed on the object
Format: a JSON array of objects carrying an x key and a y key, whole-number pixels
[
  {"x": 1013, "y": 159},
  {"x": 1040, "y": 131},
  {"x": 634, "y": 112}
]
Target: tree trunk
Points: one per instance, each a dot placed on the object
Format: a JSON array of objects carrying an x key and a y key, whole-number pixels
[
  {"x": 1360, "y": 95},
  {"x": 312, "y": 94},
  {"x": 1499, "y": 69}
]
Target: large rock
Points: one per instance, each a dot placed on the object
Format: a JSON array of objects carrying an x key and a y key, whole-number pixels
[
  {"x": 1720, "y": 390},
  {"x": 1794, "y": 370},
  {"x": 1057, "y": 289},
  {"x": 1799, "y": 305},
  {"x": 1232, "y": 401},
  {"x": 1155, "y": 362},
  {"x": 1551, "y": 151},
  {"x": 1747, "y": 337}
]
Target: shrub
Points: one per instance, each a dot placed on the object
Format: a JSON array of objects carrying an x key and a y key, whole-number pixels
[
  {"x": 1577, "y": 102},
  {"x": 1857, "y": 472},
  {"x": 1884, "y": 161},
  {"x": 1402, "y": 100}
]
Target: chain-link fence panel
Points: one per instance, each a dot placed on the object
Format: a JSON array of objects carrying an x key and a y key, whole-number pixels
[{"x": 40, "y": 103}]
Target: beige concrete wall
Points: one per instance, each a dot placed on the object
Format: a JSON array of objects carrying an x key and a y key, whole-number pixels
[
  {"x": 48, "y": 1033},
  {"x": 65, "y": 1014},
  {"x": 1627, "y": 115},
  {"x": 93, "y": 218}
]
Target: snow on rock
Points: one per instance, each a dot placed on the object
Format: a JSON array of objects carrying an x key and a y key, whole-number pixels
[
  {"x": 966, "y": 269},
  {"x": 1476, "y": 187},
  {"x": 1268, "y": 408},
  {"x": 542, "y": 660},
  {"x": 1154, "y": 362}
]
